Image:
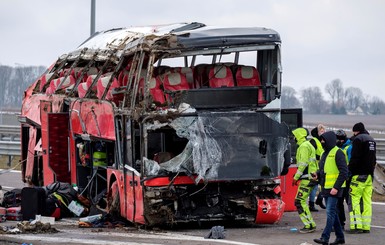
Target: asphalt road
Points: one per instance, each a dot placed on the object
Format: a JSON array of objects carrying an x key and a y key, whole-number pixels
[
  {"x": 10, "y": 179},
  {"x": 280, "y": 233}
]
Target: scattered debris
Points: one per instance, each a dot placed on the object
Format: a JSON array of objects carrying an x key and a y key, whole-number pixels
[
  {"x": 216, "y": 232},
  {"x": 28, "y": 227}
]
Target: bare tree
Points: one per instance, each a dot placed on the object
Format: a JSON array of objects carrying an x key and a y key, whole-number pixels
[
  {"x": 288, "y": 98},
  {"x": 376, "y": 106},
  {"x": 312, "y": 100},
  {"x": 336, "y": 91},
  {"x": 353, "y": 98},
  {"x": 14, "y": 80},
  {"x": 5, "y": 74}
]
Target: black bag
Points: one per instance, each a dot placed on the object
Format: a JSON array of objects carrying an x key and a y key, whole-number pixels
[
  {"x": 12, "y": 198},
  {"x": 64, "y": 189},
  {"x": 32, "y": 202}
]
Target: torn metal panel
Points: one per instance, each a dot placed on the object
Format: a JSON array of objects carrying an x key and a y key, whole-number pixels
[
  {"x": 31, "y": 105},
  {"x": 31, "y": 155}
]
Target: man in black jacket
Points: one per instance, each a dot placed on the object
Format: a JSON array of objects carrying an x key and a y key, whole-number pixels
[
  {"x": 333, "y": 172},
  {"x": 361, "y": 167}
]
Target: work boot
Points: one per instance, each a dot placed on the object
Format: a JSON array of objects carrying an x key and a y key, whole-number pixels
[
  {"x": 307, "y": 230},
  {"x": 319, "y": 202},
  {"x": 321, "y": 241},
  {"x": 312, "y": 207}
]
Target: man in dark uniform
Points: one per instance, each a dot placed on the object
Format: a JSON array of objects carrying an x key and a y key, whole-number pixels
[{"x": 361, "y": 167}]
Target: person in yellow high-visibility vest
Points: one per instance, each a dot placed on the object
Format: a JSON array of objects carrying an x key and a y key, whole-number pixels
[
  {"x": 361, "y": 167},
  {"x": 99, "y": 156},
  {"x": 332, "y": 175},
  {"x": 316, "y": 132},
  {"x": 344, "y": 143},
  {"x": 306, "y": 163}
]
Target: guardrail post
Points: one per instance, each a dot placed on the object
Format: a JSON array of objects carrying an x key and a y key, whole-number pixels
[{"x": 10, "y": 158}]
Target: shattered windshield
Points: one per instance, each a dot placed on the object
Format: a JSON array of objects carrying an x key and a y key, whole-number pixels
[{"x": 226, "y": 146}]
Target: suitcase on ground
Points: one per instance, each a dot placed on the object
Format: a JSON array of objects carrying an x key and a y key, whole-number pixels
[
  {"x": 32, "y": 202},
  {"x": 14, "y": 213},
  {"x": 3, "y": 214}
]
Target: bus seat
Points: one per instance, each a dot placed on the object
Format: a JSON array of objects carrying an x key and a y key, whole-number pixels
[
  {"x": 102, "y": 84},
  {"x": 44, "y": 79},
  {"x": 161, "y": 70},
  {"x": 220, "y": 76},
  {"x": 66, "y": 82},
  {"x": 49, "y": 91},
  {"x": 123, "y": 78},
  {"x": 188, "y": 72},
  {"x": 155, "y": 90},
  {"x": 247, "y": 76},
  {"x": 200, "y": 74},
  {"x": 82, "y": 89},
  {"x": 175, "y": 81},
  {"x": 90, "y": 79}
]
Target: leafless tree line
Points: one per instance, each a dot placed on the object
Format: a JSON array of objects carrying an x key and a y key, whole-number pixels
[{"x": 342, "y": 100}]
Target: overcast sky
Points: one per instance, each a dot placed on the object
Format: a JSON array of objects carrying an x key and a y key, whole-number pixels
[{"x": 322, "y": 40}]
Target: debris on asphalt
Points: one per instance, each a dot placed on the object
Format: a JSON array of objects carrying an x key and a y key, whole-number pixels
[
  {"x": 28, "y": 227},
  {"x": 216, "y": 232}
]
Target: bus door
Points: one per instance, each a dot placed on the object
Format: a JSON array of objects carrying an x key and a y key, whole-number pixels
[
  {"x": 131, "y": 175},
  {"x": 54, "y": 130}
]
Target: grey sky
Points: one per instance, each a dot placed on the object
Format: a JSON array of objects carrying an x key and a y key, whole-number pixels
[{"x": 322, "y": 40}]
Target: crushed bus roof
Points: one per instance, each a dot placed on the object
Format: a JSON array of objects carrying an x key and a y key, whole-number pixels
[{"x": 188, "y": 35}]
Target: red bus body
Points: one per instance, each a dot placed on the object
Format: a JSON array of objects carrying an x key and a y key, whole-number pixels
[{"x": 187, "y": 115}]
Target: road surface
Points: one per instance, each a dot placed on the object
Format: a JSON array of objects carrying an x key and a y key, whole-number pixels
[{"x": 280, "y": 233}]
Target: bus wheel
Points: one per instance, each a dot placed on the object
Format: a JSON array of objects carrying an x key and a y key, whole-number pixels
[{"x": 114, "y": 200}]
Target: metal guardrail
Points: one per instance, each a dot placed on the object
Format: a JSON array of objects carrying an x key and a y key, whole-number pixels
[
  {"x": 10, "y": 143},
  {"x": 9, "y": 133},
  {"x": 10, "y": 148},
  {"x": 380, "y": 146}
]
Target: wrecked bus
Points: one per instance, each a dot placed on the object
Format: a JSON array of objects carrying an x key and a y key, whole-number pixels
[{"x": 167, "y": 124}]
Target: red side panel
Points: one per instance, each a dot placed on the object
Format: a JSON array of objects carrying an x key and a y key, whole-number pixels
[
  {"x": 131, "y": 194},
  {"x": 93, "y": 118},
  {"x": 31, "y": 105},
  {"x": 134, "y": 198},
  {"x": 30, "y": 155},
  {"x": 165, "y": 181},
  {"x": 139, "y": 207},
  {"x": 269, "y": 211},
  {"x": 54, "y": 132},
  {"x": 288, "y": 191}
]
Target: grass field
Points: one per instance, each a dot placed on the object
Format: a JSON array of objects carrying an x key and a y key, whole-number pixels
[
  {"x": 4, "y": 162},
  {"x": 375, "y": 124}
]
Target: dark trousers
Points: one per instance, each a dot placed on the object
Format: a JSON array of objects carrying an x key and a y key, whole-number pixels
[{"x": 332, "y": 220}]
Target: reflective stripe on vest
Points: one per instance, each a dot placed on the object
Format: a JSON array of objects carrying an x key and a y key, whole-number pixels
[
  {"x": 331, "y": 170},
  {"x": 319, "y": 149},
  {"x": 99, "y": 158},
  {"x": 345, "y": 150}
]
